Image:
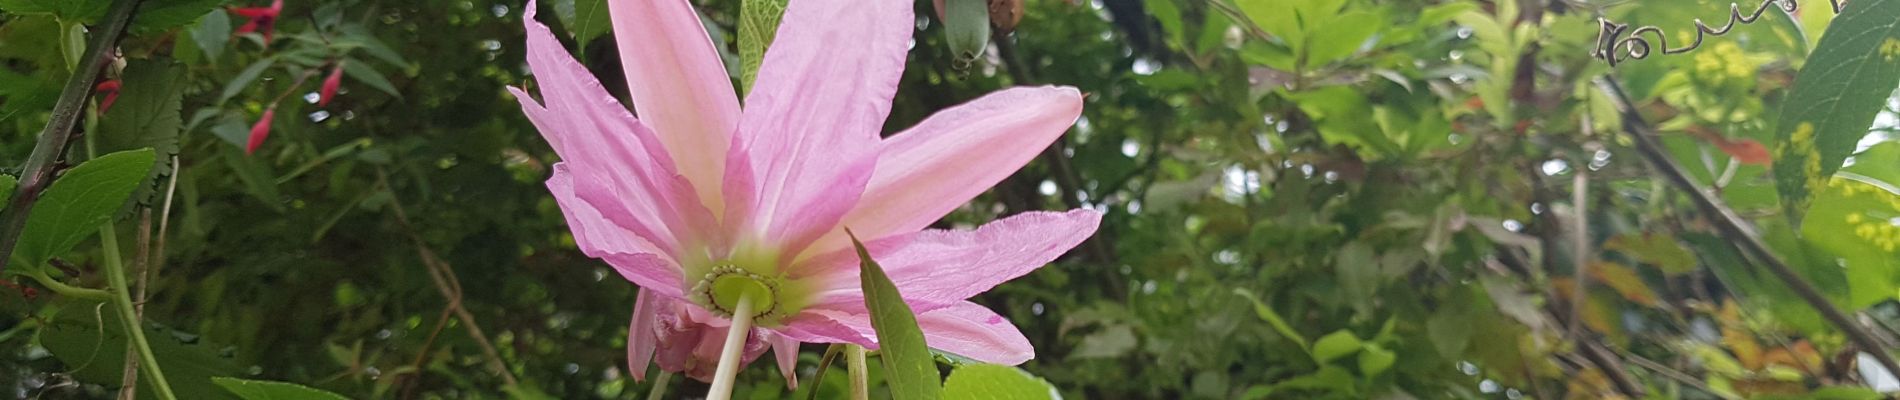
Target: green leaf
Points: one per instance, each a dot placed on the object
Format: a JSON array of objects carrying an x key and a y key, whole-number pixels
[
  {"x": 212, "y": 33},
  {"x": 1852, "y": 223},
  {"x": 1273, "y": 318},
  {"x": 158, "y": 16},
  {"x": 758, "y": 23},
  {"x": 1342, "y": 36},
  {"x": 146, "y": 115},
  {"x": 74, "y": 206},
  {"x": 65, "y": 10},
  {"x": 1880, "y": 163},
  {"x": 91, "y": 343},
  {"x": 907, "y": 362},
  {"x": 1335, "y": 345},
  {"x": 1375, "y": 359},
  {"x": 1845, "y": 83},
  {"x": 268, "y": 390},
  {"x": 244, "y": 78},
  {"x": 1656, "y": 249},
  {"x": 584, "y": 19},
  {"x": 7, "y": 184},
  {"x": 362, "y": 72},
  {"x": 966, "y": 27},
  {"x": 995, "y": 382}
]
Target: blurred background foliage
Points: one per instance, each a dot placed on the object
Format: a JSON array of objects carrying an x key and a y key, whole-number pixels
[{"x": 1319, "y": 199}]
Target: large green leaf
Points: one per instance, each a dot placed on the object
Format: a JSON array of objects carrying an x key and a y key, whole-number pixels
[
  {"x": 74, "y": 206},
  {"x": 91, "y": 344},
  {"x": 995, "y": 382},
  {"x": 158, "y": 16},
  {"x": 65, "y": 10},
  {"x": 1844, "y": 84},
  {"x": 758, "y": 23},
  {"x": 146, "y": 114},
  {"x": 268, "y": 390},
  {"x": 907, "y": 362},
  {"x": 1852, "y": 222}
]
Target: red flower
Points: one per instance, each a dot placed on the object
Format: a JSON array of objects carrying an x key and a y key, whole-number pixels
[
  {"x": 108, "y": 92},
  {"x": 260, "y": 131},
  {"x": 262, "y": 19},
  {"x": 329, "y": 85}
]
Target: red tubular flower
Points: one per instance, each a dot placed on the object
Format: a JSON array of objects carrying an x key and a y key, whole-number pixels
[
  {"x": 329, "y": 85},
  {"x": 260, "y": 131},
  {"x": 262, "y": 20},
  {"x": 108, "y": 92}
]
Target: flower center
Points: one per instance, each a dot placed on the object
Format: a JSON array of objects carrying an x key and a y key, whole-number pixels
[{"x": 722, "y": 288}]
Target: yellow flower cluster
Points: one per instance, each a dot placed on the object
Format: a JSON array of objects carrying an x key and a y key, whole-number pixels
[
  {"x": 1800, "y": 148},
  {"x": 1889, "y": 49},
  {"x": 1724, "y": 64}
]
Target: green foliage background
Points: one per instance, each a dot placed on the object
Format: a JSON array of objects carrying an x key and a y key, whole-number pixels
[{"x": 1305, "y": 199}]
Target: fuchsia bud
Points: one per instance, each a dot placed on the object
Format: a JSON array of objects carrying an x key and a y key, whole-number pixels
[
  {"x": 329, "y": 85},
  {"x": 260, "y": 131},
  {"x": 108, "y": 92}
]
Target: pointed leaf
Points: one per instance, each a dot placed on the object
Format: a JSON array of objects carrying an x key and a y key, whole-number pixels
[
  {"x": 995, "y": 382},
  {"x": 907, "y": 362},
  {"x": 1338, "y": 344},
  {"x": 268, "y": 390},
  {"x": 362, "y": 72},
  {"x": 1844, "y": 84},
  {"x": 74, "y": 206},
  {"x": 146, "y": 116}
]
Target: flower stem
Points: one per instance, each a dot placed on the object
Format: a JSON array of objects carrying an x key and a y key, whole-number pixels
[
  {"x": 728, "y": 369},
  {"x": 659, "y": 386},
  {"x": 122, "y": 299},
  {"x": 860, "y": 376}
]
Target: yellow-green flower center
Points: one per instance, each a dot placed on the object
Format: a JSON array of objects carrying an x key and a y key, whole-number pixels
[{"x": 720, "y": 291}]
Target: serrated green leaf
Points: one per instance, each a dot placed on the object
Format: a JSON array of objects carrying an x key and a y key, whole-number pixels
[
  {"x": 966, "y": 27},
  {"x": 901, "y": 348},
  {"x": 146, "y": 115},
  {"x": 267, "y": 390},
  {"x": 74, "y": 206},
  {"x": 758, "y": 23},
  {"x": 1843, "y": 85},
  {"x": 1335, "y": 345},
  {"x": 361, "y": 72},
  {"x": 995, "y": 382}
]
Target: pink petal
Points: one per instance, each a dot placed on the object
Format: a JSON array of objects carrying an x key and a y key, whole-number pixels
[
  {"x": 929, "y": 170},
  {"x": 633, "y": 257},
  {"x": 786, "y": 350},
  {"x": 962, "y": 328},
  {"x": 330, "y": 84},
  {"x": 690, "y": 341},
  {"x": 970, "y": 330},
  {"x": 640, "y": 338},
  {"x": 937, "y": 268},
  {"x": 260, "y": 130},
  {"x": 617, "y": 164},
  {"x": 679, "y": 86},
  {"x": 810, "y": 129}
]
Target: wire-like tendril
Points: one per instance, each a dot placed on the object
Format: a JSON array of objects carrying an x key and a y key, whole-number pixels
[{"x": 1614, "y": 47}]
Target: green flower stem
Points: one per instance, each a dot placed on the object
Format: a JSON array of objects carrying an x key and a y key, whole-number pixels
[
  {"x": 122, "y": 298},
  {"x": 728, "y": 371},
  {"x": 68, "y": 290},
  {"x": 860, "y": 377},
  {"x": 659, "y": 386}
]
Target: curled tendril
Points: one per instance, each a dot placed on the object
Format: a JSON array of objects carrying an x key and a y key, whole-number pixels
[{"x": 1617, "y": 42}]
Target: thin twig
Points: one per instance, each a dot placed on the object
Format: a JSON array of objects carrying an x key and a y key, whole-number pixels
[
  {"x": 1732, "y": 227},
  {"x": 446, "y": 282},
  {"x": 1673, "y": 375},
  {"x": 37, "y": 173}
]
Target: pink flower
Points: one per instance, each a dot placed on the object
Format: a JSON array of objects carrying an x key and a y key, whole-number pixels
[
  {"x": 701, "y": 203},
  {"x": 261, "y": 19},
  {"x": 330, "y": 84},
  {"x": 260, "y": 130}
]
